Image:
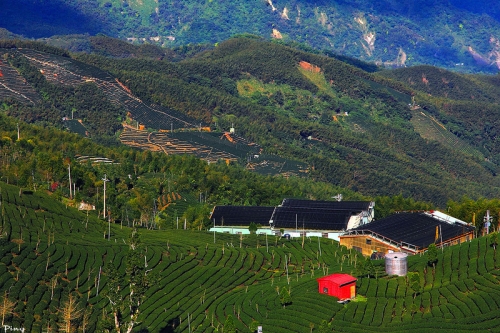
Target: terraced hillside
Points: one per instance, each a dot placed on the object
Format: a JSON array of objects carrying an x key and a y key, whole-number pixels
[
  {"x": 65, "y": 71},
  {"x": 13, "y": 85},
  {"x": 49, "y": 251},
  {"x": 212, "y": 147}
]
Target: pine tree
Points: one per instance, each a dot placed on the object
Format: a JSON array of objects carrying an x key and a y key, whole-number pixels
[
  {"x": 6, "y": 307},
  {"x": 69, "y": 312}
]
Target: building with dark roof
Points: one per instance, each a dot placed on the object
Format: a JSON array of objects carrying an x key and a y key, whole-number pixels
[
  {"x": 407, "y": 232},
  {"x": 320, "y": 218},
  {"x": 295, "y": 217},
  {"x": 237, "y": 219}
]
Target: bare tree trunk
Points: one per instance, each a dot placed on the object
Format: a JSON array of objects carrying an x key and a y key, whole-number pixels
[{"x": 117, "y": 322}]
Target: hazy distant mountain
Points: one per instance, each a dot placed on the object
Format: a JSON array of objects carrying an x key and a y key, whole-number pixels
[{"x": 454, "y": 34}]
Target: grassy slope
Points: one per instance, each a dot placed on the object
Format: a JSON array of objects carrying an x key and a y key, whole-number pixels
[{"x": 210, "y": 280}]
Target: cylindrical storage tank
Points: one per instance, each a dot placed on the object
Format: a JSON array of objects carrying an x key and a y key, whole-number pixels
[{"x": 396, "y": 263}]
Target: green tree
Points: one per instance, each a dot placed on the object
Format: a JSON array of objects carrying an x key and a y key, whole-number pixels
[
  {"x": 494, "y": 240},
  {"x": 229, "y": 326},
  {"x": 432, "y": 255},
  {"x": 285, "y": 297},
  {"x": 414, "y": 283},
  {"x": 413, "y": 309},
  {"x": 254, "y": 325},
  {"x": 324, "y": 327},
  {"x": 252, "y": 228},
  {"x": 368, "y": 268}
]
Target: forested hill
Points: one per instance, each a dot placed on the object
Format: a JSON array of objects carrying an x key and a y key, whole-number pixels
[
  {"x": 453, "y": 34},
  {"x": 352, "y": 128}
]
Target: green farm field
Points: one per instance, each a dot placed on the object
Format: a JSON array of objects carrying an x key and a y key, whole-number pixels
[{"x": 197, "y": 279}]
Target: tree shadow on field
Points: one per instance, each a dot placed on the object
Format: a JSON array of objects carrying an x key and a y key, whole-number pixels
[{"x": 171, "y": 326}]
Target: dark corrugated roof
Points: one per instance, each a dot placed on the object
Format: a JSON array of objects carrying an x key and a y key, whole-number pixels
[
  {"x": 330, "y": 205},
  {"x": 241, "y": 215},
  {"x": 418, "y": 229},
  {"x": 310, "y": 218}
]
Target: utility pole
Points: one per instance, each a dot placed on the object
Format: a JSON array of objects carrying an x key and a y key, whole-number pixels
[
  {"x": 487, "y": 221},
  {"x": 105, "y": 179},
  {"x": 69, "y": 175}
]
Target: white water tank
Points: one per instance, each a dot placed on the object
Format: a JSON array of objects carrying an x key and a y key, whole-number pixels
[{"x": 396, "y": 263}]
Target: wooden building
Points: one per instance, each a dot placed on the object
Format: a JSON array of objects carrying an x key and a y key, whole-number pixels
[
  {"x": 342, "y": 286},
  {"x": 407, "y": 232}
]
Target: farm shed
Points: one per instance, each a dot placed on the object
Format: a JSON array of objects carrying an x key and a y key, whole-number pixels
[
  {"x": 320, "y": 218},
  {"x": 342, "y": 286},
  {"x": 295, "y": 217},
  {"x": 408, "y": 232},
  {"x": 237, "y": 219}
]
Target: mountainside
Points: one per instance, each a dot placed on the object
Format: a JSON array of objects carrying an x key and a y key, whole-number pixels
[
  {"x": 452, "y": 34},
  {"x": 294, "y": 113}
]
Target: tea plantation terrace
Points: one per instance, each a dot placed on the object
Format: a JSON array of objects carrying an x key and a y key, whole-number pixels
[{"x": 295, "y": 218}]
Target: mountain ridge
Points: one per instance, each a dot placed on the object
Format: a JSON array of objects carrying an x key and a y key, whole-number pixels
[{"x": 449, "y": 34}]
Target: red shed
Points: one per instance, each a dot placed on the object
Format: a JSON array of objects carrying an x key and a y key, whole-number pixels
[{"x": 339, "y": 285}]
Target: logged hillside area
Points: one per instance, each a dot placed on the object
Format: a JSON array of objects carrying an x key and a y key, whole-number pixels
[
  {"x": 451, "y": 34},
  {"x": 465, "y": 105},
  {"x": 64, "y": 268},
  {"x": 300, "y": 113}
]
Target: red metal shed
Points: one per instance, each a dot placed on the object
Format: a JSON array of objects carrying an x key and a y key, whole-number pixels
[{"x": 339, "y": 285}]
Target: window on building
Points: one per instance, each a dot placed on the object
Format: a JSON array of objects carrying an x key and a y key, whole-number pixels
[
  {"x": 325, "y": 290},
  {"x": 356, "y": 248},
  {"x": 368, "y": 241}
]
